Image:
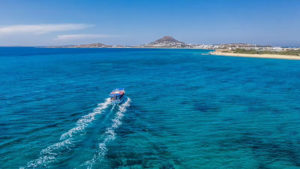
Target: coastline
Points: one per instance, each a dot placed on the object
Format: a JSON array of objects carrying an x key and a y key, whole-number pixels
[
  {"x": 57, "y": 47},
  {"x": 264, "y": 56}
]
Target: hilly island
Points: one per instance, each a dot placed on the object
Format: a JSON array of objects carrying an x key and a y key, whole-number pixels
[{"x": 231, "y": 49}]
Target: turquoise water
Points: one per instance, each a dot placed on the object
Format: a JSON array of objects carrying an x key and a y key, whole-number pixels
[{"x": 185, "y": 109}]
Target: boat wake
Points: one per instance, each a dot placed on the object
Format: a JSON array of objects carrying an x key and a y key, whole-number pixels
[
  {"x": 86, "y": 120},
  {"x": 110, "y": 134},
  {"x": 50, "y": 153}
]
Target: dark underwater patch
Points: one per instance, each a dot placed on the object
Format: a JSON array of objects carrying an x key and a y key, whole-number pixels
[
  {"x": 157, "y": 157},
  {"x": 265, "y": 150},
  {"x": 185, "y": 102},
  {"x": 262, "y": 166},
  {"x": 193, "y": 88},
  {"x": 244, "y": 100},
  {"x": 205, "y": 107},
  {"x": 155, "y": 98}
]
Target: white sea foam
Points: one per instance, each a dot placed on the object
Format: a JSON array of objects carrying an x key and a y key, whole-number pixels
[
  {"x": 86, "y": 120},
  {"x": 110, "y": 134},
  {"x": 50, "y": 153}
]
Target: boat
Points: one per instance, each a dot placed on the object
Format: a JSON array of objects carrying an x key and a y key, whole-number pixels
[{"x": 117, "y": 96}]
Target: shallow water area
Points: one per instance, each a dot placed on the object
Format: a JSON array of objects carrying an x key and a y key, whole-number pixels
[{"x": 186, "y": 109}]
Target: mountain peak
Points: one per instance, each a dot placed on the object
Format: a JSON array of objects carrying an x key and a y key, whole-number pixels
[
  {"x": 166, "y": 41},
  {"x": 167, "y": 38}
]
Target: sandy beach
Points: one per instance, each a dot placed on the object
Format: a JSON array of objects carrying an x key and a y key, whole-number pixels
[{"x": 266, "y": 56}]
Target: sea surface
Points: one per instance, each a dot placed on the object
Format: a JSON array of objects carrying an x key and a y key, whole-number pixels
[{"x": 184, "y": 109}]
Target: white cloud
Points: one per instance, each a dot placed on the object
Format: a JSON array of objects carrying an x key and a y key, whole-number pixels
[
  {"x": 71, "y": 37},
  {"x": 40, "y": 29}
]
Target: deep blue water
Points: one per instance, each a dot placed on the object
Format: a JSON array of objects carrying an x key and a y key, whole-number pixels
[{"x": 185, "y": 109}]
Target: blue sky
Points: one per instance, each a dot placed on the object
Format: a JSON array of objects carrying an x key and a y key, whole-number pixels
[{"x": 132, "y": 22}]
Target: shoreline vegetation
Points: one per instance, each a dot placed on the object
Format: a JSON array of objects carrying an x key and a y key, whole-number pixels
[
  {"x": 284, "y": 52},
  {"x": 289, "y": 55}
]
